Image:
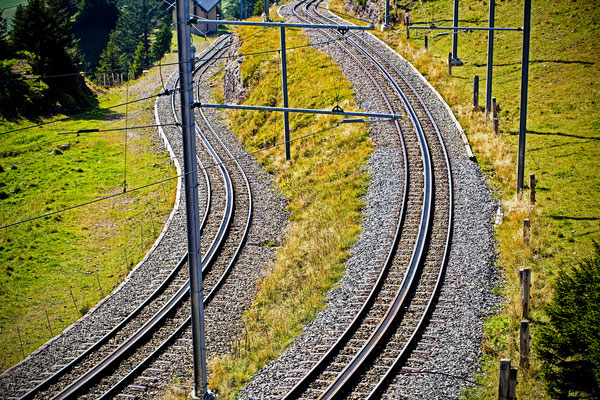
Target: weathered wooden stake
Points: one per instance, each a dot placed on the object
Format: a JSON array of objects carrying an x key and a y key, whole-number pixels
[
  {"x": 450, "y": 63},
  {"x": 495, "y": 126},
  {"x": 532, "y": 188},
  {"x": 49, "y": 326},
  {"x": 525, "y": 280},
  {"x": 476, "y": 92},
  {"x": 512, "y": 380},
  {"x": 73, "y": 297},
  {"x": 524, "y": 344},
  {"x": 406, "y": 22},
  {"x": 20, "y": 341},
  {"x": 526, "y": 230},
  {"x": 494, "y": 108},
  {"x": 152, "y": 220},
  {"x": 426, "y": 42},
  {"x": 99, "y": 287},
  {"x": 504, "y": 379}
]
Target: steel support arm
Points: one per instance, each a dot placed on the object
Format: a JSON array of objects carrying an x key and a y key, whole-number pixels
[{"x": 300, "y": 110}]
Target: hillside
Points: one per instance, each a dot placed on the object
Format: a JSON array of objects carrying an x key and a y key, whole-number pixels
[{"x": 563, "y": 143}]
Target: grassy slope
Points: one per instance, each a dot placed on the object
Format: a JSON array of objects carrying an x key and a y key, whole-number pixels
[
  {"x": 563, "y": 143},
  {"x": 87, "y": 248},
  {"x": 324, "y": 183}
]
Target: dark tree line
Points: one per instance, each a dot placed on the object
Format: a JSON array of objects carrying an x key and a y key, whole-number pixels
[
  {"x": 63, "y": 37},
  {"x": 569, "y": 343},
  {"x": 130, "y": 44},
  {"x": 41, "y": 43}
]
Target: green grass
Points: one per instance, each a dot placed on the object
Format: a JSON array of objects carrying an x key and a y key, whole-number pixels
[
  {"x": 11, "y": 3},
  {"x": 563, "y": 143},
  {"x": 324, "y": 182},
  {"x": 9, "y": 14},
  {"x": 86, "y": 251}
]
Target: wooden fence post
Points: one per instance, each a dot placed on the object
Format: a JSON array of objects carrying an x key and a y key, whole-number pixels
[
  {"x": 524, "y": 344},
  {"x": 476, "y": 92},
  {"x": 525, "y": 280},
  {"x": 526, "y": 230},
  {"x": 532, "y": 188},
  {"x": 512, "y": 381},
  {"x": 504, "y": 379}
]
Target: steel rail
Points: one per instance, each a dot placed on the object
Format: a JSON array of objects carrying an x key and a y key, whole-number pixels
[
  {"x": 335, "y": 388},
  {"x": 345, "y": 377},
  {"x": 155, "y": 322},
  {"x": 109, "y": 335},
  {"x": 285, "y": 24},
  {"x": 136, "y": 371},
  {"x": 375, "y": 393},
  {"x": 299, "y": 387}
]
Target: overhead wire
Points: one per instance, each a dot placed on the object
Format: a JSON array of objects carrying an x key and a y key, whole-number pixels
[
  {"x": 166, "y": 92},
  {"x": 81, "y": 132},
  {"x": 85, "y": 73},
  {"x": 214, "y": 165}
]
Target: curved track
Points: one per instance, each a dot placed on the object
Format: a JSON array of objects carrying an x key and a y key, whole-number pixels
[
  {"x": 380, "y": 338},
  {"x": 107, "y": 364}
]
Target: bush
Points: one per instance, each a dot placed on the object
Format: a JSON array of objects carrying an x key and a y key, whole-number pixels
[{"x": 569, "y": 345}]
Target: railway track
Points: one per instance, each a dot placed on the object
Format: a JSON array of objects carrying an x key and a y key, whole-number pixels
[
  {"x": 385, "y": 332},
  {"x": 121, "y": 354}
]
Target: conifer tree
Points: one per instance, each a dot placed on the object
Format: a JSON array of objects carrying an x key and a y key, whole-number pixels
[
  {"x": 139, "y": 58},
  {"x": 162, "y": 42},
  {"x": 569, "y": 344},
  {"x": 43, "y": 28},
  {"x": 111, "y": 58},
  {"x": 5, "y": 45}
]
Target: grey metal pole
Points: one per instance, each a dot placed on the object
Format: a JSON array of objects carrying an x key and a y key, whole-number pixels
[
  {"x": 267, "y": 10},
  {"x": 191, "y": 197},
  {"x": 387, "y": 13},
  {"x": 490, "y": 59},
  {"x": 455, "y": 59},
  {"x": 286, "y": 116},
  {"x": 524, "y": 84}
]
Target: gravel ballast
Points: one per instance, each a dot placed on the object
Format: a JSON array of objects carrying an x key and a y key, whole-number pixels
[{"x": 471, "y": 273}]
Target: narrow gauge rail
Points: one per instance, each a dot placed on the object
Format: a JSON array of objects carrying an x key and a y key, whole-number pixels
[
  {"x": 384, "y": 332},
  {"x": 160, "y": 322},
  {"x": 130, "y": 324},
  {"x": 183, "y": 331}
]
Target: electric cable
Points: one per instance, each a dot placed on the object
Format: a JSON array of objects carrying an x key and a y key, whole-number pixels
[
  {"x": 166, "y": 92},
  {"x": 85, "y": 73},
  {"x": 81, "y": 132},
  {"x": 214, "y": 165}
]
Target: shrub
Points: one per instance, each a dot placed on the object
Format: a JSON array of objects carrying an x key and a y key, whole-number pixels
[{"x": 569, "y": 345}]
